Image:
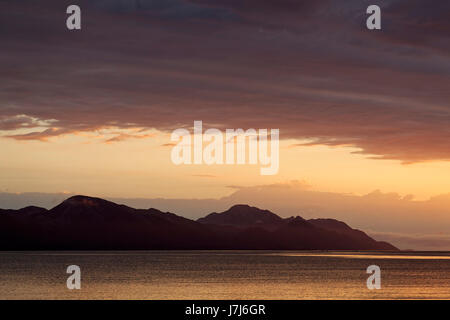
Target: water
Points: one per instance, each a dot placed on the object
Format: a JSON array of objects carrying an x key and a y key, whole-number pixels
[{"x": 224, "y": 275}]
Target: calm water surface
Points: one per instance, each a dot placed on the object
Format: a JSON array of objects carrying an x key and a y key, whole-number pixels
[{"x": 224, "y": 275}]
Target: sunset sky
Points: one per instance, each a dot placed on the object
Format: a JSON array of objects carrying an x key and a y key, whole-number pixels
[{"x": 91, "y": 111}]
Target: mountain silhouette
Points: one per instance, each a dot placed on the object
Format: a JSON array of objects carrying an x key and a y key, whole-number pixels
[
  {"x": 321, "y": 234},
  {"x": 86, "y": 223},
  {"x": 242, "y": 216}
]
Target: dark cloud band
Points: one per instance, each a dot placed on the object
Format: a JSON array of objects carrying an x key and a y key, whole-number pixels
[{"x": 306, "y": 67}]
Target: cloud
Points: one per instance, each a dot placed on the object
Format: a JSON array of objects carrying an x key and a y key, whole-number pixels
[
  {"x": 126, "y": 136},
  {"x": 168, "y": 144},
  {"x": 267, "y": 7},
  {"x": 418, "y": 24},
  {"x": 377, "y": 211},
  {"x": 42, "y": 136},
  {"x": 167, "y": 9},
  {"x": 23, "y": 121},
  {"x": 309, "y": 68},
  {"x": 431, "y": 242}
]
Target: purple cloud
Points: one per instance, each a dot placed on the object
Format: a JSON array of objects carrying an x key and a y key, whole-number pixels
[{"x": 310, "y": 69}]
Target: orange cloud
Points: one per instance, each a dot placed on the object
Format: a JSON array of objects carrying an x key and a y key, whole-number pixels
[{"x": 126, "y": 136}]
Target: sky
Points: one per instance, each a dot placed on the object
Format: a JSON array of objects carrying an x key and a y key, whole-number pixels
[{"x": 359, "y": 112}]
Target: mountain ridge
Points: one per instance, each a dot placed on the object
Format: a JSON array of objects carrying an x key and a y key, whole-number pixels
[{"x": 88, "y": 223}]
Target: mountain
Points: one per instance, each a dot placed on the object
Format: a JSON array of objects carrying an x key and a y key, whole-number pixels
[
  {"x": 243, "y": 216},
  {"x": 86, "y": 223},
  {"x": 323, "y": 234}
]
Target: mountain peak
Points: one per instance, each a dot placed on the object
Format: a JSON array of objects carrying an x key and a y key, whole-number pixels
[
  {"x": 242, "y": 215},
  {"x": 80, "y": 201},
  {"x": 298, "y": 221},
  {"x": 246, "y": 209},
  {"x": 240, "y": 207},
  {"x": 84, "y": 209},
  {"x": 84, "y": 201}
]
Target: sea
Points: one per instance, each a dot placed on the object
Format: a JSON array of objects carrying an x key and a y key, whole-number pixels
[{"x": 219, "y": 275}]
